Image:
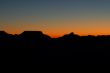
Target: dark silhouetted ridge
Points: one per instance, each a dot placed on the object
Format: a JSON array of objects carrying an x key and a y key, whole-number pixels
[
  {"x": 71, "y": 35},
  {"x": 3, "y": 34},
  {"x": 42, "y": 49},
  {"x": 31, "y": 33},
  {"x": 34, "y": 34}
]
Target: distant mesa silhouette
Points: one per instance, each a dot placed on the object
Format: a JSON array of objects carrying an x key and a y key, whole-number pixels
[
  {"x": 71, "y": 35},
  {"x": 3, "y": 34},
  {"x": 34, "y": 35},
  {"x": 42, "y": 48},
  {"x": 31, "y": 32}
]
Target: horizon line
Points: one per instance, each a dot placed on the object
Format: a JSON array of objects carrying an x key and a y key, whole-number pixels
[{"x": 55, "y": 36}]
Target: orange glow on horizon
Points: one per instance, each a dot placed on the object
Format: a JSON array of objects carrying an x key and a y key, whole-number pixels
[
  {"x": 49, "y": 27},
  {"x": 61, "y": 34}
]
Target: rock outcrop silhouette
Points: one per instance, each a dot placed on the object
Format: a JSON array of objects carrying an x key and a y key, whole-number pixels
[{"x": 42, "y": 49}]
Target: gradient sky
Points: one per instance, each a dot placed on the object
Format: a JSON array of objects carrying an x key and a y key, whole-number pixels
[{"x": 56, "y": 17}]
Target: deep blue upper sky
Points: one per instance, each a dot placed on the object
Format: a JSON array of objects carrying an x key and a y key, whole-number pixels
[{"x": 46, "y": 7}]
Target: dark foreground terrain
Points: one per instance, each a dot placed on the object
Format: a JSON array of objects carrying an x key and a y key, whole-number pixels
[{"x": 34, "y": 47}]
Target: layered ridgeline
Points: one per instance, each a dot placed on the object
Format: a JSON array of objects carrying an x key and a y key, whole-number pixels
[{"x": 42, "y": 47}]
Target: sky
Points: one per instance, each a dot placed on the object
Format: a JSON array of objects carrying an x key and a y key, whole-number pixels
[{"x": 56, "y": 17}]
